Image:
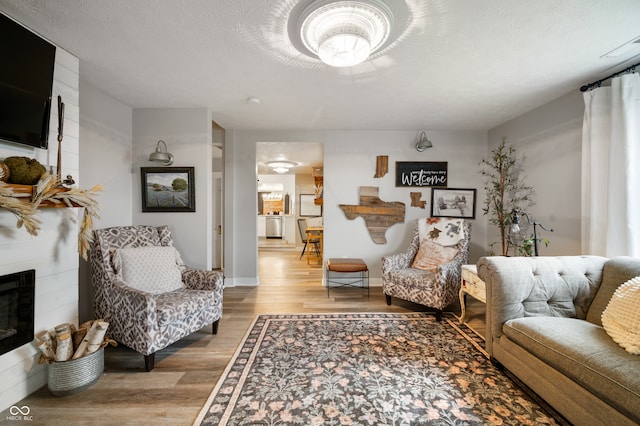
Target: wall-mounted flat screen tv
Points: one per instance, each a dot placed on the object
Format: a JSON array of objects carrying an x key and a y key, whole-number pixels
[{"x": 26, "y": 80}]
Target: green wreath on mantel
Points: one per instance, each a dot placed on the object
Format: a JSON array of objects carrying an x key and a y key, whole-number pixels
[{"x": 50, "y": 189}]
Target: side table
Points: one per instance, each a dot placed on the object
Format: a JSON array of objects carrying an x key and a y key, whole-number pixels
[{"x": 472, "y": 285}]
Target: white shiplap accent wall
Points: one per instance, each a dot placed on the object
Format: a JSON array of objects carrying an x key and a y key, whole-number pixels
[{"x": 54, "y": 252}]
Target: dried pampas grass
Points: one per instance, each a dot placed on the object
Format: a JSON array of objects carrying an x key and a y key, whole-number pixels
[
  {"x": 25, "y": 212},
  {"x": 50, "y": 190}
]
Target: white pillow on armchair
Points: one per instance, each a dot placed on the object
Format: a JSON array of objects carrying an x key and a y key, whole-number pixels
[{"x": 153, "y": 269}]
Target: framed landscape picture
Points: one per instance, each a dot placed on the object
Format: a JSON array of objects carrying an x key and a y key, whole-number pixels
[
  {"x": 453, "y": 202},
  {"x": 168, "y": 189}
]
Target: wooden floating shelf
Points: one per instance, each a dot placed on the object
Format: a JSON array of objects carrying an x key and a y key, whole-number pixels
[{"x": 24, "y": 193}]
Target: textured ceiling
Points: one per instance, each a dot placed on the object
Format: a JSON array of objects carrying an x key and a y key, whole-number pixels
[{"x": 463, "y": 64}]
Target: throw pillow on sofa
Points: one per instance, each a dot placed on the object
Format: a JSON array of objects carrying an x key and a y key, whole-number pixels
[
  {"x": 621, "y": 317},
  {"x": 152, "y": 269}
]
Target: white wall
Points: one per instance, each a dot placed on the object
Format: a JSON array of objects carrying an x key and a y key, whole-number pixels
[
  {"x": 106, "y": 128},
  {"x": 106, "y": 149},
  {"x": 349, "y": 162},
  {"x": 52, "y": 254},
  {"x": 550, "y": 138},
  {"x": 188, "y": 135}
]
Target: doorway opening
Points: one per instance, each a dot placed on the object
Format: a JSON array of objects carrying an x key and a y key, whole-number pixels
[
  {"x": 287, "y": 174},
  {"x": 217, "y": 207}
]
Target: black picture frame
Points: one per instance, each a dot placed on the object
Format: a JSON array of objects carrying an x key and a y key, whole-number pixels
[
  {"x": 453, "y": 202},
  {"x": 161, "y": 193}
]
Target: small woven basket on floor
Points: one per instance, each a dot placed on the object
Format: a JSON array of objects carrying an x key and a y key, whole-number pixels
[{"x": 69, "y": 377}]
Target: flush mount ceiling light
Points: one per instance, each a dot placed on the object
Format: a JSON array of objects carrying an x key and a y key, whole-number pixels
[
  {"x": 342, "y": 33},
  {"x": 281, "y": 163},
  {"x": 281, "y": 166}
]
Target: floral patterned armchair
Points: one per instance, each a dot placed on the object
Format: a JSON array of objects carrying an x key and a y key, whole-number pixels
[
  {"x": 146, "y": 293},
  {"x": 429, "y": 271}
]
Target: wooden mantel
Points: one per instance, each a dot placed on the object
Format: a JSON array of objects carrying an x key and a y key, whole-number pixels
[{"x": 25, "y": 192}]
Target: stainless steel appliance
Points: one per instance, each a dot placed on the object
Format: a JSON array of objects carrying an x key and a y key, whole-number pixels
[{"x": 274, "y": 226}]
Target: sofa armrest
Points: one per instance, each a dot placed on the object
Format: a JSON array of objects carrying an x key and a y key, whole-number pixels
[
  {"x": 451, "y": 272},
  {"x": 562, "y": 286},
  {"x": 199, "y": 279},
  {"x": 131, "y": 306},
  {"x": 394, "y": 262}
]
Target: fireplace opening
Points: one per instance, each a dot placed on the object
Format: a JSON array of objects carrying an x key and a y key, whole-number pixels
[{"x": 17, "y": 301}]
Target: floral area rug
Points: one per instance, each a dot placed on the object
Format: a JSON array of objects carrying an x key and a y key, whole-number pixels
[{"x": 365, "y": 369}]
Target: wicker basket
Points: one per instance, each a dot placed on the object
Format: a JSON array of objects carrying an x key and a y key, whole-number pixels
[{"x": 69, "y": 377}]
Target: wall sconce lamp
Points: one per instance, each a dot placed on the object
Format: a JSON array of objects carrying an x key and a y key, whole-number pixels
[
  {"x": 423, "y": 143},
  {"x": 515, "y": 226},
  {"x": 161, "y": 155}
]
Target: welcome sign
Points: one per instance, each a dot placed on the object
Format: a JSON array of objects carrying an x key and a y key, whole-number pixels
[{"x": 423, "y": 173}]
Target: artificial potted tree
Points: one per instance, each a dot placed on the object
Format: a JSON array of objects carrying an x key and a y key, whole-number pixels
[{"x": 505, "y": 191}]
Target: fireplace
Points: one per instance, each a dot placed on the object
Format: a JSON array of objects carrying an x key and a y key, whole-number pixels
[{"x": 17, "y": 297}]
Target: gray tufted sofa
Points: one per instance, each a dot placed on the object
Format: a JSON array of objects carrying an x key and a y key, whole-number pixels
[{"x": 543, "y": 325}]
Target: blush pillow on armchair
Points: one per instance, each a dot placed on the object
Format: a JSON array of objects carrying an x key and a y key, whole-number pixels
[
  {"x": 152, "y": 269},
  {"x": 430, "y": 255}
]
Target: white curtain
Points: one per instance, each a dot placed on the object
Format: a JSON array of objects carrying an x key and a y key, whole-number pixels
[{"x": 610, "y": 169}]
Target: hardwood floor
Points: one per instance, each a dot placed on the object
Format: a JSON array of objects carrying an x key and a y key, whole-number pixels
[{"x": 186, "y": 372}]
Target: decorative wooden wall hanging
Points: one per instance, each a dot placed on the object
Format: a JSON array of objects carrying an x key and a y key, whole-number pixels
[
  {"x": 378, "y": 215},
  {"x": 382, "y": 166},
  {"x": 416, "y": 201}
]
